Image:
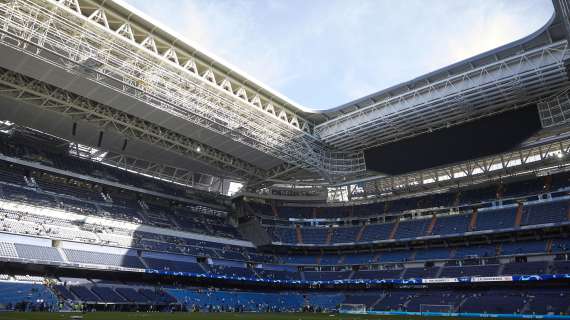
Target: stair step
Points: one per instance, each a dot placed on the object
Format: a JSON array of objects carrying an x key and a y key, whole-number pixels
[
  {"x": 518, "y": 217},
  {"x": 394, "y": 229},
  {"x": 360, "y": 233},
  {"x": 431, "y": 225},
  {"x": 329, "y": 235},
  {"x": 299, "y": 234},
  {"x": 473, "y": 222}
]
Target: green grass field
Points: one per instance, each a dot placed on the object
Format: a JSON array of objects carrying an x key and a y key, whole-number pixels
[
  {"x": 195, "y": 316},
  {"x": 178, "y": 316}
]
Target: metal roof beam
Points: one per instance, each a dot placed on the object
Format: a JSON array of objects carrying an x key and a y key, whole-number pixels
[
  {"x": 45, "y": 96},
  {"x": 495, "y": 87}
]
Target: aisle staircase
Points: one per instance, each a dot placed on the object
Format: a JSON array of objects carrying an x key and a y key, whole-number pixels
[
  {"x": 518, "y": 217},
  {"x": 299, "y": 234},
  {"x": 473, "y": 222},
  {"x": 394, "y": 230},
  {"x": 274, "y": 210},
  {"x": 360, "y": 233},
  {"x": 431, "y": 225},
  {"x": 329, "y": 236}
]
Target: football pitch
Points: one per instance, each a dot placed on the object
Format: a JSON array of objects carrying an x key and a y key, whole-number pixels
[
  {"x": 198, "y": 316},
  {"x": 179, "y": 316}
]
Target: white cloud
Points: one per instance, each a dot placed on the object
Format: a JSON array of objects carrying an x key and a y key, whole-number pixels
[{"x": 324, "y": 53}]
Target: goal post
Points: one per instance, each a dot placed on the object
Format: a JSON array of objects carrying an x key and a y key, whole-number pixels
[
  {"x": 439, "y": 308},
  {"x": 352, "y": 308}
]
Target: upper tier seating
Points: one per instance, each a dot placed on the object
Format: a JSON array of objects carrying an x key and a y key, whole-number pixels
[
  {"x": 522, "y": 188},
  {"x": 314, "y": 235},
  {"x": 8, "y": 250},
  {"x": 376, "y": 232},
  {"x": 452, "y": 224},
  {"x": 560, "y": 180},
  {"x": 200, "y": 248},
  {"x": 86, "y": 198},
  {"x": 172, "y": 265},
  {"x": 329, "y": 259},
  {"x": 344, "y": 234},
  {"x": 496, "y": 219},
  {"x": 523, "y": 247},
  {"x": 487, "y": 219},
  {"x": 476, "y": 251},
  {"x": 90, "y": 257},
  {"x": 285, "y": 234},
  {"x": 295, "y": 212},
  {"x": 412, "y": 229},
  {"x": 360, "y": 258},
  {"x": 432, "y": 254},
  {"x": 548, "y": 212},
  {"x": 334, "y": 212},
  {"x": 297, "y": 259},
  {"x": 22, "y": 146},
  {"x": 509, "y": 192},
  {"x": 38, "y": 253},
  {"x": 538, "y": 267},
  {"x": 395, "y": 256}
]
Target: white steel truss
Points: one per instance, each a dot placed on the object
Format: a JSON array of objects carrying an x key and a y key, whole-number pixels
[
  {"x": 98, "y": 11},
  {"x": 155, "y": 170},
  {"x": 554, "y": 111},
  {"x": 19, "y": 87},
  {"x": 164, "y": 172},
  {"x": 562, "y": 7},
  {"x": 551, "y": 155},
  {"x": 531, "y": 158},
  {"x": 496, "y": 87},
  {"x": 91, "y": 43},
  {"x": 87, "y": 47}
]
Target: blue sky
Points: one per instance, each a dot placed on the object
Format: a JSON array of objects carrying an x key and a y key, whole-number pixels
[{"x": 324, "y": 53}]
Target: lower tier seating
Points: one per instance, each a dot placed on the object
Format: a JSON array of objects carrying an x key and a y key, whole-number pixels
[{"x": 27, "y": 295}]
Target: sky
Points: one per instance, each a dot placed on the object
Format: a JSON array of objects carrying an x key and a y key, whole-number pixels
[{"x": 325, "y": 53}]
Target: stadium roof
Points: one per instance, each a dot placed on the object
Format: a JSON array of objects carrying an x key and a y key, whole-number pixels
[
  {"x": 199, "y": 52},
  {"x": 539, "y": 38},
  {"x": 106, "y": 75}
]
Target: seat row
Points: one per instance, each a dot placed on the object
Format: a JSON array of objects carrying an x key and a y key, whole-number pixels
[{"x": 539, "y": 213}]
